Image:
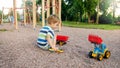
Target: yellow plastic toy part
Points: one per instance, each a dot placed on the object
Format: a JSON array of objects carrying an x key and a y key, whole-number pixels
[
  {"x": 58, "y": 51},
  {"x": 61, "y": 43}
]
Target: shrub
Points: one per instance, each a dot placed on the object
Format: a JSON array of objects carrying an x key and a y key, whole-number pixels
[{"x": 105, "y": 19}]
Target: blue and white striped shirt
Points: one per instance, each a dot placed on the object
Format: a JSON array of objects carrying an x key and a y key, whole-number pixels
[{"x": 42, "y": 41}]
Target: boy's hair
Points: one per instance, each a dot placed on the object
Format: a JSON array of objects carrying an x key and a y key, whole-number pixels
[{"x": 52, "y": 19}]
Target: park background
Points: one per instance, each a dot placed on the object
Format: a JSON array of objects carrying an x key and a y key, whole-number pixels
[
  {"x": 83, "y": 12},
  {"x": 18, "y": 46}
]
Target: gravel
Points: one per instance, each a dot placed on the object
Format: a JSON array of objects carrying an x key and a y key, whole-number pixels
[{"x": 18, "y": 49}]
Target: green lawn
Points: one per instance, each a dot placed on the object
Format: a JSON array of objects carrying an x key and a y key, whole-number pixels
[{"x": 91, "y": 26}]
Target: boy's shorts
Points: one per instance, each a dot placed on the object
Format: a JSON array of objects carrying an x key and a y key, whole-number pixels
[{"x": 46, "y": 47}]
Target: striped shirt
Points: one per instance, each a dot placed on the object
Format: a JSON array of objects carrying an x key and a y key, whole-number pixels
[{"x": 42, "y": 41}]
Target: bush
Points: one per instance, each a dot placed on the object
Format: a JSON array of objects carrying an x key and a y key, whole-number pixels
[{"x": 105, "y": 19}]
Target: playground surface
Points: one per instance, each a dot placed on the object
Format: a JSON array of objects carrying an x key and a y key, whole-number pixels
[{"x": 18, "y": 49}]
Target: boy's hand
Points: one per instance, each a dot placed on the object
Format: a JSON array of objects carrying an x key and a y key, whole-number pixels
[{"x": 55, "y": 48}]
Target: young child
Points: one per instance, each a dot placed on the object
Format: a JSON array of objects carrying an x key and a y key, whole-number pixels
[{"x": 47, "y": 38}]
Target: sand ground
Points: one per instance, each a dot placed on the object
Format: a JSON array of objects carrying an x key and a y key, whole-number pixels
[{"x": 18, "y": 49}]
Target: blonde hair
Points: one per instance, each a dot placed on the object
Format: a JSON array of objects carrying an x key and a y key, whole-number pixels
[{"x": 52, "y": 19}]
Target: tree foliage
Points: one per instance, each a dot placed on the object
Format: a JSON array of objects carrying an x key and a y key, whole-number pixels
[
  {"x": 104, "y": 5},
  {"x": 105, "y": 19},
  {"x": 0, "y": 13},
  {"x": 77, "y": 10},
  {"x": 90, "y": 6},
  {"x": 38, "y": 2}
]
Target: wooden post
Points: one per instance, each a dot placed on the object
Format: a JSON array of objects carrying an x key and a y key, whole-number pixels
[
  {"x": 48, "y": 8},
  {"x": 60, "y": 25},
  {"x": 2, "y": 14},
  {"x": 53, "y": 11},
  {"x": 34, "y": 13},
  {"x": 24, "y": 8},
  {"x": 43, "y": 15},
  {"x": 53, "y": 5},
  {"x": 15, "y": 14}
]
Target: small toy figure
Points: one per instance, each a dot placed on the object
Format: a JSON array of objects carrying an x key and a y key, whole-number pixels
[
  {"x": 100, "y": 49},
  {"x": 61, "y": 40}
]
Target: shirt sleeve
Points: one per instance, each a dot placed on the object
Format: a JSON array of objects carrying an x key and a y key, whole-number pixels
[{"x": 51, "y": 33}]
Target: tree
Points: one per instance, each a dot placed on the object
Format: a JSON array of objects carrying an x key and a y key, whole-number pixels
[
  {"x": 104, "y": 5},
  {"x": 75, "y": 9},
  {"x": 66, "y": 14},
  {"x": 64, "y": 11},
  {"x": 79, "y": 6},
  {"x": 38, "y": 2},
  {"x": 90, "y": 7},
  {"x": 98, "y": 10},
  {"x": 0, "y": 16}
]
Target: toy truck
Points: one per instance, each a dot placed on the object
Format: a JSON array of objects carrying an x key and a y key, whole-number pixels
[
  {"x": 61, "y": 40},
  {"x": 100, "y": 50}
]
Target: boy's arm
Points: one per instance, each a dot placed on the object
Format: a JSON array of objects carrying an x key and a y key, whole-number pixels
[
  {"x": 51, "y": 42},
  {"x": 54, "y": 40}
]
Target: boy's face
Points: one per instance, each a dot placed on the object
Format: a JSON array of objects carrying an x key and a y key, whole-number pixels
[{"x": 54, "y": 26}]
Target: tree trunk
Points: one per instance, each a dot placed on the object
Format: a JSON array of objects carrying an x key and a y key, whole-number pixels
[
  {"x": 88, "y": 18},
  {"x": 97, "y": 20},
  {"x": 66, "y": 18},
  {"x": 113, "y": 10}
]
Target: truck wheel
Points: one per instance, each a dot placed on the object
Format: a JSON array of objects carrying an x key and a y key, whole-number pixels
[
  {"x": 99, "y": 57},
  {"x": 107, "y": 54},
  {"x": 90, "y": 54}
]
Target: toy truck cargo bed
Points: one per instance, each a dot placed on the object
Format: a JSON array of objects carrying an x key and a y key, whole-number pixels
[
  {"x": 94, "y": 39},
  {"x": 62, "y": 38}
]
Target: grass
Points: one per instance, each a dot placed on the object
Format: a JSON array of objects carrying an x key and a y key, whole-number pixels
[
  {"x": 2, "y": 30},
  {"x": 91, "y": 26}
]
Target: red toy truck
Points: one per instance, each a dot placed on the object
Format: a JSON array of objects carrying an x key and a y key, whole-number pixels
[
  {"x": 61, "y": 40},
  {"x": 94, "y": 39}
]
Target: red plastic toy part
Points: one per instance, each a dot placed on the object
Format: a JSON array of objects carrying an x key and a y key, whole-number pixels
[
  {"x": 62, "y": 38},
  {"x": 94, "y": 39}
]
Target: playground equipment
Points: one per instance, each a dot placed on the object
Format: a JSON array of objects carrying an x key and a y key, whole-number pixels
[
  {"x": 55, "y": 5},
  {"x": 61, "y": 40},
  {"x": 100, "y": 49},
  {"x": 15, "y": 13},
  {"x": 3, "y": 8},
  {"x": 10, "y": 13}
]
